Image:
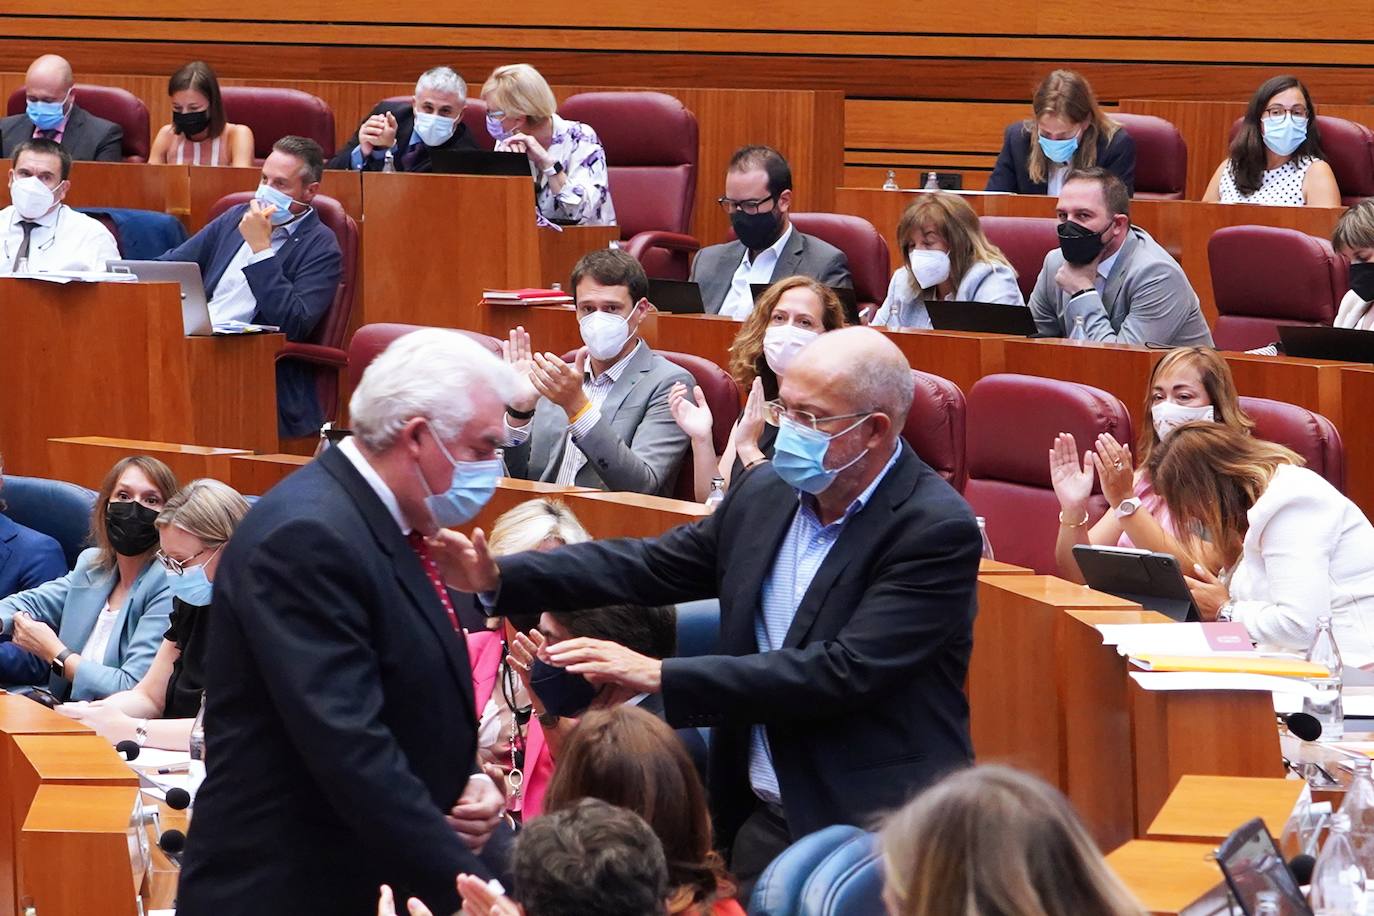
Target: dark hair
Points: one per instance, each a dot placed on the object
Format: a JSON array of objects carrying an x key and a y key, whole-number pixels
[
  {"x": 650, "y": 631},
  {"x": 611, "y": 267},
  {"x": 632, "y": 758},
  {"x": 748, "y": 158},
  {"x": 198, "y": 77},
  {"x": 1248, "y": 156},
  {"x": 307, "y": 151},
  {"x": 1113, "y": 188},
  {"x": 46, "y": 148},
  {"x": 157, "y": 473},
  {"x": 589, "y": 858}
]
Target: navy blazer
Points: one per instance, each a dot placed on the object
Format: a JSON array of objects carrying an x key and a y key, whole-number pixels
[
  {"x": 28, "y": 558},
  {"x": 405, "y": 130},
  {"x": 294, "y": 289},
  {"x": 1011, "y": 171}
]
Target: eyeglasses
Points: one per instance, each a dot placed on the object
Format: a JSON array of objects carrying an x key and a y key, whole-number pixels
[
  {"x": 749, "y": 207},
  {"x": 495, "y": 115},
  {"x": 179, "y": 567},
  {"x": 1278, "y": 111},
  {"x": 776, "y": 411}
]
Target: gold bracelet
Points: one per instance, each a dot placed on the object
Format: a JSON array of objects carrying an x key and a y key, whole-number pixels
[{"x": 1064, "y": 524}]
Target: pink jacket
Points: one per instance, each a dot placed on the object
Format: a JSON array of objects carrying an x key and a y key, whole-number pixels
[{"x": 485, "y": 655}]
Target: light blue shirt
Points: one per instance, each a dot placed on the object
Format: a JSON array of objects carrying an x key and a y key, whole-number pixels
[
  {"x": 803, "y": 550},
  {"x": 233, "y": 299},
  {"x": 356, "y": 159}
]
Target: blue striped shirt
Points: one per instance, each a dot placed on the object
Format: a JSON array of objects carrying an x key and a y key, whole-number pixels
[{"x": 803, "y": 550}]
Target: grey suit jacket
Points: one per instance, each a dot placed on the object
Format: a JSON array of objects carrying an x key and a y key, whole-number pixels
[
  {"x": 86, "y": 137},
  {"x": 807, "y": 255},
  {"x": 635, "y": 447},
  {"x": 1147, "y": 300}
]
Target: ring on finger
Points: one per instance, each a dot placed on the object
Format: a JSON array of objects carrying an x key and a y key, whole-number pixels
[{"x": 1118, "y": 465}]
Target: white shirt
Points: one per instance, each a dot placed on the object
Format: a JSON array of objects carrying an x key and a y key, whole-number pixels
[
  {"x": 1355, "y": 313},
  {"x": 1054, "y": 182},
  {"x": 350, "y": 450},
  {"x": 63, "y": 240},
  {"x": 234, "y": 299},
  {"x": 99, "y": 640},
  {"x": 739, "y": 301}
]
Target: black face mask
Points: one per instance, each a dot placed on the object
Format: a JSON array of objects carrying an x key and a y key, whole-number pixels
[
  {"x": 190, "y": 123},
  {"x": 1080, "y": 244},
  {"x": 1362, "y": 280},
  {"x": 757, "y": 230},
  {"x": 130, "y": 528},
  {"x": 562, "y": 694}
]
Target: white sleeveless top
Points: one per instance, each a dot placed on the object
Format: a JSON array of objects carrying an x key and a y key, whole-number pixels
[
  {"x": 192, "y": 151},
  {"x": 1282, "y": 187}
]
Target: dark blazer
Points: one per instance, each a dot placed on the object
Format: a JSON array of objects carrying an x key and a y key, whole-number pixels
[
  {"x": 690, "y": 737},
  {"x": 27, "y": 560},
  {"x": 1010, "y": 172},
  {"x": 865, "y": 703},
  {"x": 341, "y": 724},
  {"x": 85, "y": 137},
  {"x": 405, "y": 126},
  {"x": 714, "y": 266},
  {"x": 294, "y": 289}
]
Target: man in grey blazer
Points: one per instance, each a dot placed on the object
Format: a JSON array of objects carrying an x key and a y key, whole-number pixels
[
  {"x": 1111, "y": 274},
  {"x": 758, "y": 196},
  {"x": 601, "y": 421},
  {"x": 51, "y": 112}
]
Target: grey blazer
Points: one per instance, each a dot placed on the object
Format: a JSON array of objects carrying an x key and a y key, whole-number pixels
[
  {"x": 714, "y": 267},
  {"x": 635, "y": 447},
  {"x": 86, "y": 137},
  {"x": 1147, "y": 300}
]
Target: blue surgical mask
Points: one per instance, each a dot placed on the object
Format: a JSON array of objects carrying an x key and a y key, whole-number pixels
[
  {"x": 1060, "y": 151},
  {"x": 562, "y": 693},
  {"x": 498, "y": 133},
  {"x": 1284, "y": 134},
  {"x": 470, "y": 488},
  {"x": 266, "y": 194},
  {"x": 192, "y": 586},
  {"x": 434, "y": 130},
  {"x": 46, "y": 115},
  {"x": 799, "y": 456}
]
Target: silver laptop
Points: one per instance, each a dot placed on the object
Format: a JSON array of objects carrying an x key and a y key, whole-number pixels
[{"x": 195, "y": 310}]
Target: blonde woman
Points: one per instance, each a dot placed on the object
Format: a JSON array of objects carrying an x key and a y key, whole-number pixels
[
  {"x": 566, "y": 157},
  {"x": 1068, "y": 131},
  {"x": 945, "y": 256},
  {"x": 1353, "y": 239},
  {"x": 990, "y": 841},
  {"x": 158, "y": 711}
]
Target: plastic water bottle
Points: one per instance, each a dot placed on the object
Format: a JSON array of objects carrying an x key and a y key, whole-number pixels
[
  {"x": 1337, "y": 879},
  {"x": 1079, "y": 332},
  {"x": 196, "y": 771},
  {"x": 891, "y": 183},
  {"x": 1359, "y": 807},
  {"x": 1323, "y": 698},
  {"x": 717, "y": 494},
  {"x": 389, "y": 163},
  {"x": 932, "y": 182},
  {"x": 983, "y": 533}
]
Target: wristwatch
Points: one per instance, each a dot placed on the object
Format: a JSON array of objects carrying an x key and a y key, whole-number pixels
[
  {"x": 59, "y": 663},
  {"x": 1085, "y": 290},
  {"x": 1127, "y": 506},
  {"x": 553, "y": 170}
]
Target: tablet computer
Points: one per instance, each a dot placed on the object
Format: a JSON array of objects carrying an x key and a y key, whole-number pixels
[
  {"x": 1152, "y": 580},
  {"x": 478, "y": 162},
  {"x": 679, "y": 297},
  {"x": 1320, "y": 342},
  {"x": 1252, "y": 865},
  {"x": 988, "y": 317}
]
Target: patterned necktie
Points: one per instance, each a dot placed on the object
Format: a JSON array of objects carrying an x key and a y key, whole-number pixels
[
  {"x": 411, "y": 157},
  {"x": 417, "y": 544},
  {"x": 28, "y": 226}
]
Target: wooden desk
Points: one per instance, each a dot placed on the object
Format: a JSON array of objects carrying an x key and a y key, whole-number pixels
[
  {"x": 162, "y": 188},
  {"x": 90, "y": 825},
  {"x": 1357, "y": 415},
  {"x": 1208, "y": 808},
  {"x": 254, "y": 475},
  {"x": 144, "y": 379},
  {"x": 996, "y": 568},
  {"x": 87, "y": 459},
  {"x": 511, "y": 492},
  {"x": 631, "y": 515},
  {"x": 1166, "y": 877}
]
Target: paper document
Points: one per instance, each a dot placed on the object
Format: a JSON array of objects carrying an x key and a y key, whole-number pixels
[
  {"x": 1213, "y": 680},
  {"x": 84, "y": 276},
  {"x": 244, "y": 327},
  {"x": 1176, "y": 638}
]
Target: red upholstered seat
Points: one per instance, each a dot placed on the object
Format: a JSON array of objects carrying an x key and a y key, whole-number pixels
[
  {"x": 1025, "y": 240},
  {"x": 474, "y": 119},
  {"x": 935, "y": 427},
  {"x": 863, "y": 246},
  {"x": 1263, "y": 276},
  {"x": 1012, "y": 422},
  {"x": 722, "y": 396},
  {"x": 1311, "y": 435},
  {"x": 371, "y": 339},
  {"x": 113, "y": 104},
  {"x": 325, "y": 348},
  {"x": 650, "y": 140},
  {"x": 274, "y": 113},
  {"x": 1349, "y": 150},
  {"x": 1161, "y": 156}
]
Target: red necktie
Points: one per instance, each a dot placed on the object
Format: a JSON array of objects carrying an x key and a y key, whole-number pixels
[{"x": 417, "y": 543}]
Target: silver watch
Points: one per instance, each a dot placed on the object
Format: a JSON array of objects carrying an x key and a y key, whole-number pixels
[{"x": 1127, "y": 506}]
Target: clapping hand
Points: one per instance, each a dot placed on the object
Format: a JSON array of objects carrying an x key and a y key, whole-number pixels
[
  {"x": 693, "y": 417},
  {"x": 751, "y": 426},
  {"x": 1073, "y": 483},
  {"x": 377, "y": 132},
  {"x": 386, "y": 904},
  {"x": 1113, "y": 463},
  {"x": 560, "y": 382},
  {"x": 485, "y": 898},
  {"x": 519, "y": 356}
]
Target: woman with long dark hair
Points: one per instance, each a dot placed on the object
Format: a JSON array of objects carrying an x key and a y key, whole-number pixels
[{"x": 199, "y": 133}]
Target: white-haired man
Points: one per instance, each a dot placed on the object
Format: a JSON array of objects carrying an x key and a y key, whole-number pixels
[
  {"x": 341, "y": 723},
  {"x": 433, "y": 120}
]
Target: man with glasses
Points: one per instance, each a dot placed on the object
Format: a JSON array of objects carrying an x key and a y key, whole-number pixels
[
  {"x": 51, "y": 113},
  {"x": 846, "y": 571},
  {"x": 758, "y": 196}
]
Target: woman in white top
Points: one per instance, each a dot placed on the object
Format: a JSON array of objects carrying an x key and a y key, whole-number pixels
[
  {"x": 1290, "y": 547},
  {"x": 198, "y": 134},
  {"x": 946, "y": 256},
  {"x": 1276, "y": 157},
  {"x": 99, "y": 627},
  {"x": 1353, "y": 239}
]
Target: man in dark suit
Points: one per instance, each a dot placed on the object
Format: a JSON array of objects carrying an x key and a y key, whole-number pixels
[
  {"x": 434, "y": 120},
  {"x": 271, "y": 261},
  {"x": 768, "y": 248},
  {"x": 846, "y": 570},
  {"x": 28, "y": 558},
  {"x": 341, "y": 726},
  {"x": 51, "y": 112}
]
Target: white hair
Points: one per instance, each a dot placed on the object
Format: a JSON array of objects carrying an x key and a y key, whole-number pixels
[
  {"x": 429, "y": 373},
  {"x": 442, "y": 79}
]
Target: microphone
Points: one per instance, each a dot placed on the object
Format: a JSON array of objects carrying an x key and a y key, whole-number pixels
[
  {"x": 173, "y": 844},
  {"x": 128, "y": 749},
  {"x": 1301, "y": 867},
  {"x": 178, "y": 799},
  {"x": 1303, "y": 726}
]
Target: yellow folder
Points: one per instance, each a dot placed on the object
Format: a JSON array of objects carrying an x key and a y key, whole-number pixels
[{"x": 1281, "y": 667}]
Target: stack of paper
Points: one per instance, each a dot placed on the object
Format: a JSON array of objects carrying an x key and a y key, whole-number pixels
[
  {"x": 1177, "y": 638},
  {"x": 527, "y": 296}
]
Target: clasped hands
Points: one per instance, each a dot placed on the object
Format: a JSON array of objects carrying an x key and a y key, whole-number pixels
[{"x": 547, "y": 375}]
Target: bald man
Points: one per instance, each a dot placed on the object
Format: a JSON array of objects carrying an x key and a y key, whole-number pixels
[
  {"x": 51, "y": 113},
  {"x": 846, "y": 571}
]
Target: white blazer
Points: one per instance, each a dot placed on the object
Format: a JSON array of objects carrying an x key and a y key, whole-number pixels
[
  {"x": 1354, "y": 312},
  {"x": 1309, "y": 552}
]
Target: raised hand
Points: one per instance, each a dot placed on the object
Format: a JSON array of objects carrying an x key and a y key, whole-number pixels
[
  {"x": 693, "y": 417},
  {"x": 1073, "y": 483},
  {"x": 517, "y": 353}
]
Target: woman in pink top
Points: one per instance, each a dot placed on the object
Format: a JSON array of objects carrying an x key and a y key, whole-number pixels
[
  {"x": 1189, "y": 383},
  {"x": 198, "y": 134}
]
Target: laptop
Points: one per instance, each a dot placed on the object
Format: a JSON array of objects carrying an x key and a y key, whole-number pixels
[
  {"x": 195, "y": 308},
  {"x": 988, "y": 317},
  {"x": 478, "y": 162},
  {"x": 848, "y": 301},
  {"x": 1320, "y": 342},
  {"x": 679, "y": 297},
  {"x": 1152, "y": 580}
]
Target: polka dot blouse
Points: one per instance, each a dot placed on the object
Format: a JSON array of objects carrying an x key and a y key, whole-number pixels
[{"x": 1282, "y": 187}]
